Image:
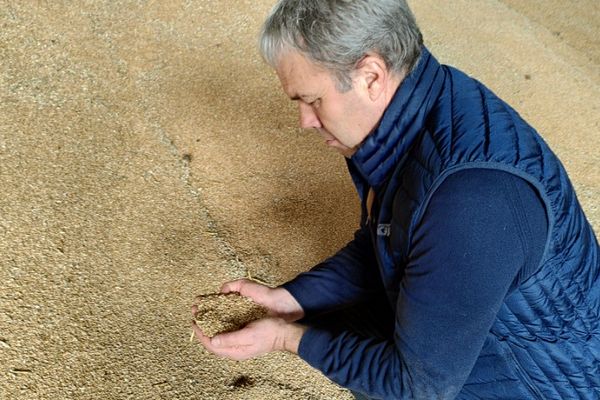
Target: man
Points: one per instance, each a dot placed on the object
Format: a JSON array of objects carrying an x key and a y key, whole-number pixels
[{"x": 474, "y": 274}]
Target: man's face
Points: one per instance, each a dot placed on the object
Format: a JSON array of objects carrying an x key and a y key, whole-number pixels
[{"x": 342, "y": 119}]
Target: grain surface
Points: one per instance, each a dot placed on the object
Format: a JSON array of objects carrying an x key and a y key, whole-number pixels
[
  {"x": 221, "y": 313},
  {"x": 147, "y": 154}
]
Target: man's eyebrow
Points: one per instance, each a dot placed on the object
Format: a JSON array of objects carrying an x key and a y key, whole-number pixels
[{"x": 297, "y": 97}]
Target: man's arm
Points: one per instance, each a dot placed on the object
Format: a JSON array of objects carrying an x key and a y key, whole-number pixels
[
  {"x": 348, "y": 277},
  {"x": 479, "y": 231}
]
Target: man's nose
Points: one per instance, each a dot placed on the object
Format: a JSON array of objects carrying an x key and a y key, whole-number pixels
[{"x": 308, "y": 117}]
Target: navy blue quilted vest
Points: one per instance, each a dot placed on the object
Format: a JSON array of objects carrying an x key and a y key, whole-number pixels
[{"x": 440, "y": 122}]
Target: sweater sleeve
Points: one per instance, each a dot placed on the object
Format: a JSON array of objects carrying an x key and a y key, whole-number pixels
[
  {"x": 348, "y": 277},
  {"x": 480, "y": 229}
]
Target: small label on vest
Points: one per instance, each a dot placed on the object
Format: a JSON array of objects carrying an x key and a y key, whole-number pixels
[{"x": 384, "y": 229}]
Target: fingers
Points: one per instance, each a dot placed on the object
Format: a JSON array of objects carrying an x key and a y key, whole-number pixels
[
  {"x": 257, "y": 338},
  {"x": 228, "y": 287},
  {"x": 194, "y": 311},
  {"x": 216, "y": 344},
  {"x": 234, "y": 286},
  {"x": 224, "y": 345},
  {"x": 204, "y": 340},
  {"x": 238, "y": 338},
  {"x": 253, "y": 340}
]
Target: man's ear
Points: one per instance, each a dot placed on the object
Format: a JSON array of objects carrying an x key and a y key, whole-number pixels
[{"x": 373, "y": 75}]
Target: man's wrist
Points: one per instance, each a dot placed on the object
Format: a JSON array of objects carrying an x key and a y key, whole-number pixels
[
  {"x": 292, "y": 336},
  {"x": 289, "y": 308}
]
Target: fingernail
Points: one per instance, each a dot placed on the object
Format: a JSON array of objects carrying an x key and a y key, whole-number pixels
[{"x": 215, "y": 341}]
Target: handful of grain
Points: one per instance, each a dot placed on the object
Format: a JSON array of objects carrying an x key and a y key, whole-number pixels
[{"x": 220, "y": 313}]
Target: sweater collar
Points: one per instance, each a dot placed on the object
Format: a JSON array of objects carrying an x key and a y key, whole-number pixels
[{"x": 402, "y": 122}]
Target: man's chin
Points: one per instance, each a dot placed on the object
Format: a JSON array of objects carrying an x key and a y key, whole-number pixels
[{"x": 346, "y": 152}]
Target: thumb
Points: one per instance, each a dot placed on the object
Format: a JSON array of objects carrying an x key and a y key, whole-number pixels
[
  {"x": 232, "y": 339},
  {"x": 216, "y": 341}
]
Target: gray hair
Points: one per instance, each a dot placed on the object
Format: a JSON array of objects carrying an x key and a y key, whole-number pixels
[{"x": 337, "y": 34}]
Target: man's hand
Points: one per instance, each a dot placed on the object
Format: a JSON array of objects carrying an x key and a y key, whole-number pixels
[
  {"x": 278, "y": 301},
  {"x": 276, "y": 333},
  {"x": 255, "y": 339}
]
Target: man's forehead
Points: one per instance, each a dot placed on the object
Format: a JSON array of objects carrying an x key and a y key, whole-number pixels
[
  {"x": 291, "y": 66},
  {"x": 298, "y": 75}
]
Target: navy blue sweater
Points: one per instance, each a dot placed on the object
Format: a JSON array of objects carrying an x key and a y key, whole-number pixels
[{"x": 480, "y": 229}]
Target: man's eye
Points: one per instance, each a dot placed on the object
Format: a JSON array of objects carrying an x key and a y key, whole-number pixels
[{"x": 315, "y": 103}]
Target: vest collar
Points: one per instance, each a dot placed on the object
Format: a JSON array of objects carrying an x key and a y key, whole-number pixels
[{"x": 402, "y": 122}]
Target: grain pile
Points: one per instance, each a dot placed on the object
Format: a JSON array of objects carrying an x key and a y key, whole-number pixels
[
  {"x": 221, "y": 313},
  {"x": 147, "y": 154}
]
